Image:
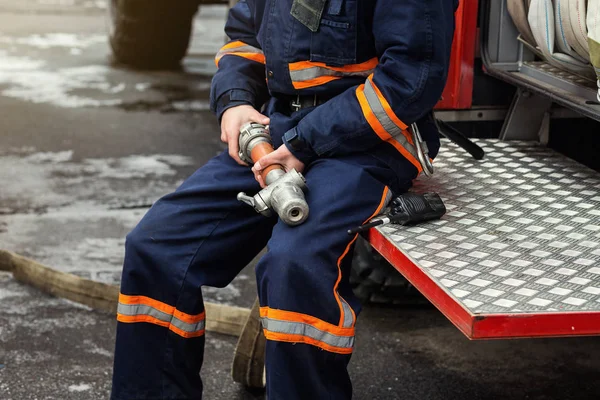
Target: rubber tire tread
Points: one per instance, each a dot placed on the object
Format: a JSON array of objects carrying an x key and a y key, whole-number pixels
[
  {"x": 376, "y": 281},
  {"x": 151, "y": 34}
]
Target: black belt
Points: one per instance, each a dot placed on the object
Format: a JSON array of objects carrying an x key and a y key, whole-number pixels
[{"x": 299, "y": 102}]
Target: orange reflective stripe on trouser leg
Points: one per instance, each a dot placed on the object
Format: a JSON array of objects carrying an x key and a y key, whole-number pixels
[
  {"x": 293, "y": 327},
  {"x": 135, "y": 309},
  {"x": 344, "y": 307}
]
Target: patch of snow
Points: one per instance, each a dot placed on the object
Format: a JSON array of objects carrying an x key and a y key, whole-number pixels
[
  {"x": 142, "y": 87},
  {"x": 102, "y": 4},
  {"x": 175, "y": 160},
  {"x": 117, "y": 89},
  {"x": 27, "y": 190},
  {"x": 192, "y": 105},
  {"x": 74, "y": 215},
  {"x": 17, "y": 150},
  {"x": 20, "y": 357},
  {"x": 137, "y": 166},
  {"x": 82, "y": 387},
  {"x": 93, "y": 348},
  {"x": 7, "y": 293},
  {"x": 50, "y": 157},
  {"x": 54, "y": 180},
  {"x": 26, "y": 80},
  {"x": 217, "y": 343},
  {"x": 222, "y": 295},
  {"x": 18, "y": 64},
  {"x": 57, "y": 2},
  {"x": 51, "y": 40}
]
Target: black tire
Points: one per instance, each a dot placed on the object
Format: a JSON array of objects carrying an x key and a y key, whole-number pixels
[
  {"x": 375, "y": 281},
  {"x": 150, "y": 34}
]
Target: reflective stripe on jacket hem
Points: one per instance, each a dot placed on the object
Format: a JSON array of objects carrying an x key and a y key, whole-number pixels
[
  {"x": 385, "y": 123},
  {"x": 306, "y": 74},
  {"x": 133, "y": 309},
  {"x": 287, "y": 326},
  {"x": 240, "y": 49}
]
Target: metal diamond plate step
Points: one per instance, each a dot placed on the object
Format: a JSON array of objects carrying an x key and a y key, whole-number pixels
[{"x": 520, "y": 242}]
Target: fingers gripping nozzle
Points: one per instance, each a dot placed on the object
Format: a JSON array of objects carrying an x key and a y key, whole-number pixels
[{"x": 284, "y": 193}]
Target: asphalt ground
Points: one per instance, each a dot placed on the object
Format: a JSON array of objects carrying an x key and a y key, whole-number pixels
[{"x": 86, "y": 147}]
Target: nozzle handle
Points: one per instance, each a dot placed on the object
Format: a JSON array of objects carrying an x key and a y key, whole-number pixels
[{"x": 244, "y": 198}]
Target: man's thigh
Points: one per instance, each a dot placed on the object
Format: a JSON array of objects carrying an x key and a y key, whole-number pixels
[
  {"x": 306, "y": 267},
  {"x": 198, "y": 235}
]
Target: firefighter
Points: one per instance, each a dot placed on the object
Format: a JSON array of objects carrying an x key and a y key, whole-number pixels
[{"x": 338, "y": 82}]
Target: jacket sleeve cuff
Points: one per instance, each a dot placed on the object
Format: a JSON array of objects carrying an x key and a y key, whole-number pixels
[
  {"x": 298, "y": 147},
  {"x": 232, "y": 98}
]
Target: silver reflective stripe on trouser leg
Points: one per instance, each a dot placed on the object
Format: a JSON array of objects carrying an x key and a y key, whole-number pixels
[
  {"x": 348, "y": 321},
  {"x": 379, "y": 111},
  {"x": 143, "y": 309},
  {"x": 302, "y": 329}
]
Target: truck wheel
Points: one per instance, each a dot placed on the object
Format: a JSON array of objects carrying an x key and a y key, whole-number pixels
[
  {"x": 375, "y": 281},
  {"x": 150, "y": 34}
]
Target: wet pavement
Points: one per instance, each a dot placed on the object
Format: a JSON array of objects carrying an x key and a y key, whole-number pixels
[{"x": 86, "y": 147}]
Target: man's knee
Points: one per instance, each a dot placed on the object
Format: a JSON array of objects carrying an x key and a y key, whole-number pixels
[
  {"x": 293, "y": 272},
  {"x": 143, "y": 266},
  {"x": 135, "y": 244}
]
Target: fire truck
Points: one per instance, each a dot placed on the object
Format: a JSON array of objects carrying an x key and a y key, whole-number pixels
[{"x": 518, "y": 253}]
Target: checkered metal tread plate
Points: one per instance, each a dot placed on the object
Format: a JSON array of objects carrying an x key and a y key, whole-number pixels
[{"x": 522, "y": 231}]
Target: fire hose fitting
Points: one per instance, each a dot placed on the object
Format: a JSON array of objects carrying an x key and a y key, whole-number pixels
[{"x": 284, "y": 193}]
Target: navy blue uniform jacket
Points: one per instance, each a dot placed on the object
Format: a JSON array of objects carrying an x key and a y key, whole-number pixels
[{"x": 381, "y": 63}]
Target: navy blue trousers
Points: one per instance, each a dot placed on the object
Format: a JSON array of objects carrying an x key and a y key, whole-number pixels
[{"x": 201, "y": 235}]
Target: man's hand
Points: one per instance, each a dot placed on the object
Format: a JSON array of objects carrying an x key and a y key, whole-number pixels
[
  {"x": 281, "y": 156},
  {"x": 231, "y": 122}
]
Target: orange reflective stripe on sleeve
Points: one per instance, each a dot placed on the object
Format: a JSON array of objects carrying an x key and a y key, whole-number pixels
[
  {"x": 385, "y": 123},
  {"x": 390, "y": 113},
  {"x": 135, "y": 309},
  {"x": 241, "y": 49},
  {"x": 306, "y": 74}
]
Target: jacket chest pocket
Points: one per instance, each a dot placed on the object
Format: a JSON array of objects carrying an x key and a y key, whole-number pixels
[{"x": 335, "y": 41}]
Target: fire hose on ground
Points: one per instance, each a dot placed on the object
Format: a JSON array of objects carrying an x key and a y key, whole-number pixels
[
  {"x": 248, "y": 361},
  {"x": 101, "y": 296}
]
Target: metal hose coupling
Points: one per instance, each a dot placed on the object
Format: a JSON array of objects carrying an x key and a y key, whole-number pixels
[
  {"x": 284, "y": 193},
  {"x": 422, "y": 151}
]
